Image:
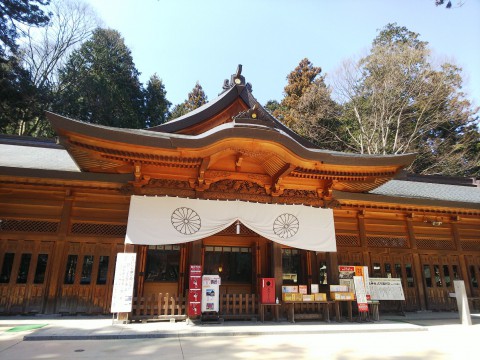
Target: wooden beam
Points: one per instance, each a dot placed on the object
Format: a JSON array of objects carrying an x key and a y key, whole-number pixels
[
  {"x": 201, "y": 184},
  {"x": 278, "y": 177}
]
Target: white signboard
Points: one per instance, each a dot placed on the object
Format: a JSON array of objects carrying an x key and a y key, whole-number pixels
[
  {"x": 210, "y": 293},
  {"x": 366, "y": 281},
  {"x": 386, "y": 289},
  {"x": 360, "y": 293},
  {"x": 122, "y": 295}
]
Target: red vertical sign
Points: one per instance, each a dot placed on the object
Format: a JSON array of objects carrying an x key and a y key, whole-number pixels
[{"x": 195, "y": 291}]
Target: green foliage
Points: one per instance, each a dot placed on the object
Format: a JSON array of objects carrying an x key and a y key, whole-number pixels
[
  {"x": 272, "y": 106},
  {"x": 21, "y": 111},
  {"x": 156, "y": 103},
  {"x": 396, "y": 101},
  {"x": 100, "y": 83},
  {"x": 299, "y": 81},
  {"x": 26, "y": 12},
  {"x": 177, "y": 111},
  {"x": 308, "y": 108},
  {"x": 316, "y": 117},
  {"x": 18, "y": 98},
  {"x": 195, "y": 99}
]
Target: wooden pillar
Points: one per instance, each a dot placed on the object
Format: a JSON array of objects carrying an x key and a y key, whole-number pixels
[
  {"x": 417, "y": 264},
  {"x": 58, "y": 257},
  {"x": 258, "y": 267},
  {"x": 461, "y": 256},
  {"x": 308, "y": 258},
  {"x": 141, "y": 267},
  {"x": 419, "y": 281},
  {"x": 456, "y": 234},
  {"x": 277, "y": 269},
  {"x": 332, "y": 268},
  {"x": 196, "y": 253},
  {"x": 363, "y": 239},
  {"x": 183, "y": 272},
  {"x": 315, "y": 267},
  {"x": 361, "y": 230}
]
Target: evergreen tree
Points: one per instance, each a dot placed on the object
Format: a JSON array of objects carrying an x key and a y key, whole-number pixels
[
  {"x": 195, "y": 99},
  {"x": 20, "y": 99},
  {"x": 156, "y": 103},
  {"x": 100, "y": 83},
  {"x": 177, "y": 111},
  {"x": 316, "y": 117},
  {"x": 272, "y": 106},
  {"x": 299, "y": 81}
]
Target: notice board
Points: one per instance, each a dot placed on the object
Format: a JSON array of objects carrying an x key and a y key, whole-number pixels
[
  {"x": 122, "y": 294},
  {"x": 386, "y": 289}
]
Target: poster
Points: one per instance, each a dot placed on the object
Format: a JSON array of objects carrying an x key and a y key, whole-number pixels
[
  {"x": 346, "y": 274},
  {"x": 210, "y": 293},
  {"x": 122, "y": 294}
]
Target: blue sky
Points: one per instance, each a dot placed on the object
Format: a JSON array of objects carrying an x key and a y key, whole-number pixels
[{"x": 188, "y": 41}]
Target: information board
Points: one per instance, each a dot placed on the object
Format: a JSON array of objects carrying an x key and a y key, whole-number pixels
[
  {"x": 386, "y": 289},
  {"x": 122, "y": 294},
  {"x": 360, "y": 293},
  {"x": 210, "y": 293}
]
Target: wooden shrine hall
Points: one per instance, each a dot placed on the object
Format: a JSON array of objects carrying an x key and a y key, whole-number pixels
[{"x": 66, "y": 210}]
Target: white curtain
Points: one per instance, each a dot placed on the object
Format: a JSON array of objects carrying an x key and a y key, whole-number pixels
[{"x": 172, "y": 220}]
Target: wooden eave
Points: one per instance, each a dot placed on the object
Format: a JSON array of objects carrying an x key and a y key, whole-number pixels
[
  {"x": 53, "y": 178},
  {"x": 412, "y": 205},
  {"x": 281, "y": 162}
]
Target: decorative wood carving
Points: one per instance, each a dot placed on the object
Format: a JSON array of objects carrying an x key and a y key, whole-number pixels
[
  {"x": 212, "y": 174},
  {"x": 299, "y": 193},
  {"x": 167, "y": 183},
  {"x": 167, "y": 187},
  {"x": 237, "y": 186}
]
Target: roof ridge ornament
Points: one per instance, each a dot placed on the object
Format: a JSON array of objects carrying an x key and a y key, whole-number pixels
[{"x": 235, "y": 79}]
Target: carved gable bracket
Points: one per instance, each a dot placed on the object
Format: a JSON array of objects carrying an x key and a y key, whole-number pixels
[
  {"x": 140, "y": 179},
  {"x": 277, "y": 187},
  {"x": 201, "y": 184}
]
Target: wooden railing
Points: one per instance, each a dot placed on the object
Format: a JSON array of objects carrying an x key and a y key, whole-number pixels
[
  {"x": 238, "y": 306},
  {"x": 159, "y": 307},
  {"x": 166, "y": 307}
]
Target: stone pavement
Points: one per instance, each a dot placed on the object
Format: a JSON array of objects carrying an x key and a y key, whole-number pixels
[{"x": 105, "y": 328}]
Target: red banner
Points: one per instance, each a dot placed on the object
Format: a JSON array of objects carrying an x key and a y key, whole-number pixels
[{"x": 195, "y": 291}]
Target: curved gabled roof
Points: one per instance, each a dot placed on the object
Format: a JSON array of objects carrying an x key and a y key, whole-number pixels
[{"x": 66, "y": 127}]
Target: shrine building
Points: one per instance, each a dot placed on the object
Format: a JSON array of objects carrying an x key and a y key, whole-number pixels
[{"x": 228, "y": 187}]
